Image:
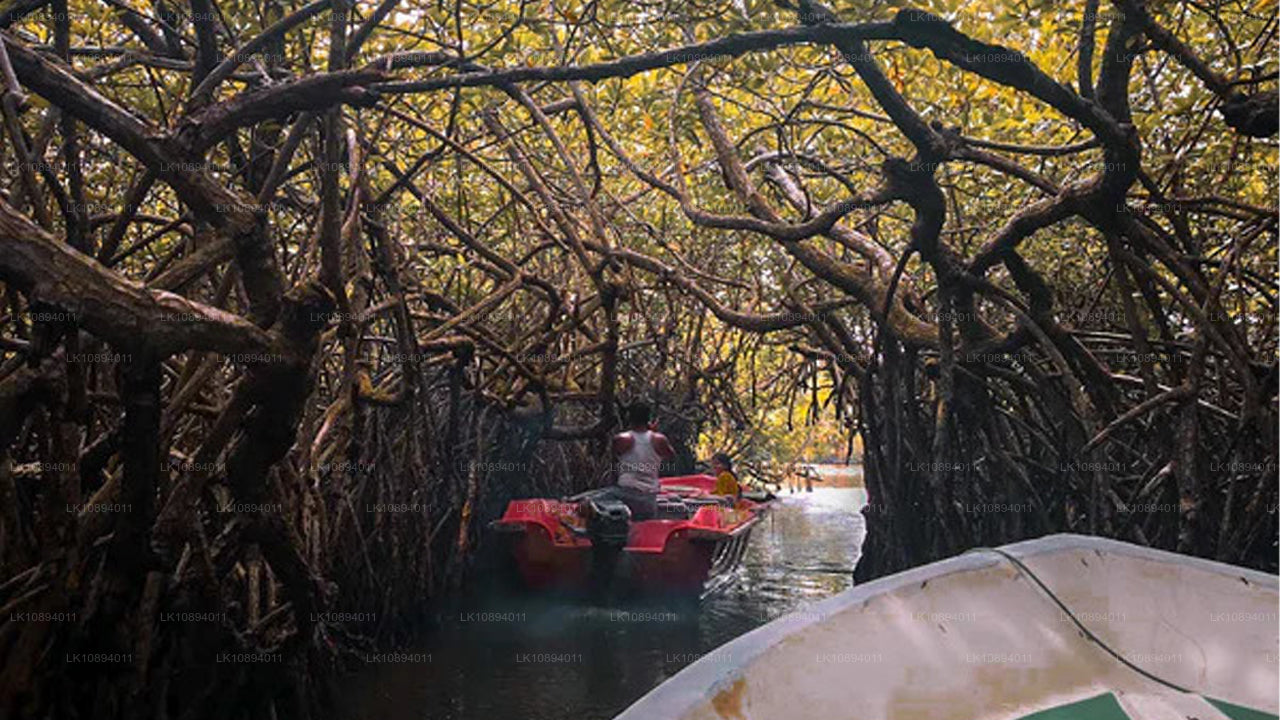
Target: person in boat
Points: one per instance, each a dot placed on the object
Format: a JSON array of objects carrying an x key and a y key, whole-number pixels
[
  {"x": 726, "y": 481},
  {"x": 639, "y": 451}
]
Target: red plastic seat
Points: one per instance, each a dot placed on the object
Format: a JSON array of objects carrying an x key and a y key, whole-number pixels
[
  {"x": 651, "y": 535},
  {"x": 706, "y": 517}
]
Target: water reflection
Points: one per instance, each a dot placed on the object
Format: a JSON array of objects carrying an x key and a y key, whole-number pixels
[{"x": 529, "y": 657}]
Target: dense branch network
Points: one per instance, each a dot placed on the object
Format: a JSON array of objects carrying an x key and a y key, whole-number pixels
[{"x": 330, "y": 233}]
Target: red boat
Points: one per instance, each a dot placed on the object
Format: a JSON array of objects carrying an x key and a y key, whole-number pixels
[{"x": 581, "y": 543}]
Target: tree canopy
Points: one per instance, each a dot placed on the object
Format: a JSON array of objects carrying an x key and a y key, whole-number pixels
[{"x": 265, "y": 262}]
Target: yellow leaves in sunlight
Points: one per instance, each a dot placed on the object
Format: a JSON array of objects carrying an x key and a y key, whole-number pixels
[{"x": 639, "y": 85}]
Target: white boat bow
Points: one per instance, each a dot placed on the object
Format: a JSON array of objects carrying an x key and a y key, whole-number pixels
[{"x": 1145, "y": 635}]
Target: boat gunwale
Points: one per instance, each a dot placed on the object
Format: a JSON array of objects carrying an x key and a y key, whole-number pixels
[{"x": 709, "y": 675}]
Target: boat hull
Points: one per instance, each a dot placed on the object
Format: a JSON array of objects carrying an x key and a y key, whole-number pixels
[
  {"x": 683, "y": 556},
  {"x": 976, "y": 637}
]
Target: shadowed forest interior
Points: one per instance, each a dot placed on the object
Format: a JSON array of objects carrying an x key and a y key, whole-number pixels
[{"x": 268, "y": 264}]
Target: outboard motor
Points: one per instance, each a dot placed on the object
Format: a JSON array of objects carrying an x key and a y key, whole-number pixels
[
  {"x": 608, "y": 525},
  {"x": 608, "y": 522}
]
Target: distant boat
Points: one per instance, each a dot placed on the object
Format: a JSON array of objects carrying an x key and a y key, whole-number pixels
[
  {"x": 1060, "y": 628},
  {"x": 690, "y": 549}
]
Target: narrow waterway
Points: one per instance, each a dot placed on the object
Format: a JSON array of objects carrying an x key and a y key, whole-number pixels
[{"x": 524, "y": 657}]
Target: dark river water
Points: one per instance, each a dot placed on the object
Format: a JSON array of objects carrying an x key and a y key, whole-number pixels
[{"x": 533, "y": 659}]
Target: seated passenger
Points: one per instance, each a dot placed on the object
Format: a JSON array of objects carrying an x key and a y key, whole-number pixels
[{"x": 726, "y": 482}]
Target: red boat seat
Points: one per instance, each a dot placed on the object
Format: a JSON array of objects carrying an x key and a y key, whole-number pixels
[
  {"x": 522, "y": 514},
  {"x": 651, "y": 535},
  {"x": 706, "y": 517}
]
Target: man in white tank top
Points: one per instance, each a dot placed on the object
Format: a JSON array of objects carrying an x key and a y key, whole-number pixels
[{"x": 640, "y": 451}]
